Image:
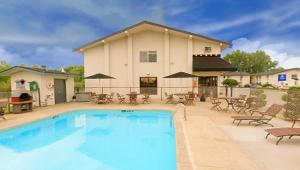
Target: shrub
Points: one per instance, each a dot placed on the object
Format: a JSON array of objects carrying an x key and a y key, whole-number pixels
[
  {"x": 230, "y": 82},
  {"x": 259, "y": 97},
  {"x": 292, "y": 107}
]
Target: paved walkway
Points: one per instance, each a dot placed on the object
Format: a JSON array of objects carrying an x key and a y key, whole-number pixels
[{"x": 207, "y": 141}]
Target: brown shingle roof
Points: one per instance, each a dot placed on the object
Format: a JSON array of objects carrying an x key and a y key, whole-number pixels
[{"x": 211, "y": 63}]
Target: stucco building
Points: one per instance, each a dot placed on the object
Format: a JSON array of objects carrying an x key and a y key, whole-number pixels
[
  {"x": 142, "y": 54},
  {"x": 54, "y": 86},
  {"x": 281, "y": 79}
]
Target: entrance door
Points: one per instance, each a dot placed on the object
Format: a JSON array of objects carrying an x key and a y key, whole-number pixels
[
  {"x": 208, "y": 85},
  {"x": 148, "y": 85},
  {"x": 60, "y": 91}
]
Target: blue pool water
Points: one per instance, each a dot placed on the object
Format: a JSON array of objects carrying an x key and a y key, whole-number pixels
[{"x": 92, "y": 140}]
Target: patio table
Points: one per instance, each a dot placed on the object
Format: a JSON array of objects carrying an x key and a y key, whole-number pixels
[
  {"x": 231, "y": 101},
  {"x": 101, "y": 98},
  {"x": 133, "y": 98}
]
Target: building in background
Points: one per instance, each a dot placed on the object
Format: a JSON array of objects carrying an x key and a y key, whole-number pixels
[
  {"x": 279, "y": 79},
  {"x": 54, "y": 86},
  {"x": 242, "y": 77},
  {"x": 142, "y": 54}
]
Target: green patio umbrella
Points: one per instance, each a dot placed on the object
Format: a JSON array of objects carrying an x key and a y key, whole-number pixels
[{"x": 99, "y": 76}]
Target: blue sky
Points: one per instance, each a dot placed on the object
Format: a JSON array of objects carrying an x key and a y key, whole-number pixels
[{"x": 45, "y": 32}]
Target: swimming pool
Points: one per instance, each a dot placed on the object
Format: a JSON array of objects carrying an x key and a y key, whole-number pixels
[{"x": 92, "y": 139}]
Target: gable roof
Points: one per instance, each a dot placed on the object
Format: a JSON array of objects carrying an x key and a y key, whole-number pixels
[
  {"x": 274, "y": 72},
  {"x": 16, "y": 69},
  {"x": 211, "y": 63},
  {"x": 152, "y": 24}
]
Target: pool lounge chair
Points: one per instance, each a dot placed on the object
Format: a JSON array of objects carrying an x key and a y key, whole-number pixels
[
  {"x": 263, "y": 118},
  {"x": 280, "y": 133}
]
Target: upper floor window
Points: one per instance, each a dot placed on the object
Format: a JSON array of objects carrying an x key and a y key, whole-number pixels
[
  {"x": 295, "y": 76},
  {"x": 148, "y": 56},
  {"x": 207, "y": 49}
]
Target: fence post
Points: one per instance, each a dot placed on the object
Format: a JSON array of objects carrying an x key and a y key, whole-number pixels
[{"x": 160, "y": 93}]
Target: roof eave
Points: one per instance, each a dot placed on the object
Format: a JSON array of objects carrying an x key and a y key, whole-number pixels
[{"x": 82, "y": 48}]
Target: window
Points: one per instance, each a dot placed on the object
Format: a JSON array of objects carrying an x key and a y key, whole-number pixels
[
  {"x": 207, "y": 49},
  {"x": 148, "y": 56},
  {"x": 295, "y": 76}
]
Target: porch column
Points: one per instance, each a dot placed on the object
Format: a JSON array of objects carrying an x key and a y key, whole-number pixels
[
  {"x": 129, "y": 61},
  {"x": 189, "y": 67},
  {"x": 106, "y": 63},
  {"x": 166, "y": 57}
]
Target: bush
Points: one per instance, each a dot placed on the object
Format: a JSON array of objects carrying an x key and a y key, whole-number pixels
[
  {"x": 230, "y": 82},
  {"x": 292, "y": 108},
  {"x": 259, "y": 97},
  {"x": 268, "y": 85}
]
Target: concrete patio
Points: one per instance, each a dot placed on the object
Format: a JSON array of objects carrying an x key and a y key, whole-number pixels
[{"x": 207, "y": 140}]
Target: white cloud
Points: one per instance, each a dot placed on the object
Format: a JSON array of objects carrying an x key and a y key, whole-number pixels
[
  {"x": 277, "y": 51},
  {"x": 271, "y": 18},
  {"x": 10, "y": 56},
  {"x": 55, "y": 57}
]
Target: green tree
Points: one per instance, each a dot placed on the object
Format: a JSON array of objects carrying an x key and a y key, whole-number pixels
[
  {"x": 230, "y": 83},
  {"x": 4, "y": 80},
  {"x": 79, "y": 71},
  {"x": 254, "y": 62},
  {"x": 35, "y": 66}
]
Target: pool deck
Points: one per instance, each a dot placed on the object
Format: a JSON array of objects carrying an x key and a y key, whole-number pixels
[{"x": 206, "y": 140}]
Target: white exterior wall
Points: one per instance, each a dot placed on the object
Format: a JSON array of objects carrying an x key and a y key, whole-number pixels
[
  {"x": 43, "y": 81},
  {"x": 273, "y": 79},
  {"x": 45, "y": 91},
  {"x": 120, "y": 58}
]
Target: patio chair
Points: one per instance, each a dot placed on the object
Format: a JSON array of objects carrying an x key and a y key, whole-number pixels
[
  {"x": 263, "y": 118},
  {"x": 3, "y": 105},
  {"x": 169, "y": 97},
  {"x": 280, "y": 133},
  {"x": 216, "y": 103},
  {"x": 101, "y": 99},
  {"x": 121, "y": 98},
  {"x": 245, "y": 106},
  {"x": 110, "y": 97},
  {"x": 190, "y": 99},
  {"x": 146, "y": 98},
  {"x": 133, "y": 98},
  {"x": 94, "y": 97}
]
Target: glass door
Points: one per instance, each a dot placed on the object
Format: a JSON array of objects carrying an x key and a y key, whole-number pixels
[{"x": 148, "y": 85}]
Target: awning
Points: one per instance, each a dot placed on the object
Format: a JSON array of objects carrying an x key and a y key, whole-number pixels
[{"x": 211, "y": 63}]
